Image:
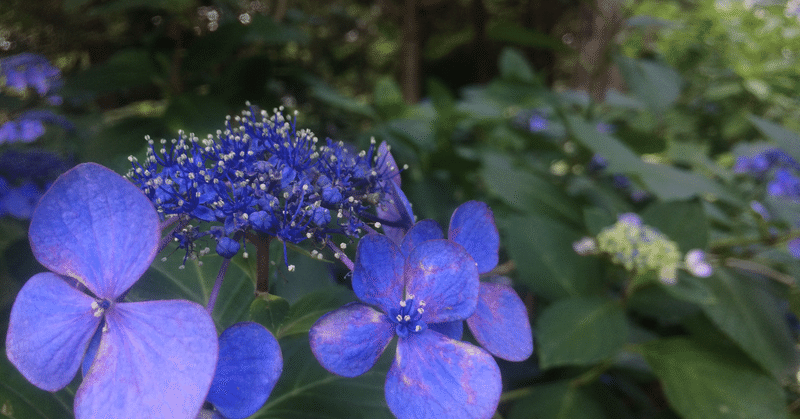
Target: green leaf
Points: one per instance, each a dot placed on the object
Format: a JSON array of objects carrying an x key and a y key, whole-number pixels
[
  {"x": 701, "y": 383},
  {"x": 124, "y": 70},
  {"x": 305, "y": 312},
  {"x": 667, "y": 182},
  {"x": 269, "y": 311},
  {"x": 388, "y": 98},
  {"x": 750, "y": 315},
  {"x": 684, "y": 222},
  {"x": 337, "y": 100},
  {"x": 788, "y": 140},
  {"x": 654, "y": 83},
  {"x": 542, "y": 251},
  {"x": 558, "y": 400},
  {"x": 514, "y": 66},
  {"x": 597, "y": 219},
  {"x": 164, "y": 280},
  {"x": 525, "y": 190},
  {"x": 20, "y": 399},
  {"x": 580, "y": 331},
  {"x": 305, "y": 389}
]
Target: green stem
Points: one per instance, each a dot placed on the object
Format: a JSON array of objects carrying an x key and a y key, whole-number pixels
[{"x": 262, "y": 260}]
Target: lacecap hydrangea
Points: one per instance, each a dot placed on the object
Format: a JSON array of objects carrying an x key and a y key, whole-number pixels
[{"x": 262, "y": 174}]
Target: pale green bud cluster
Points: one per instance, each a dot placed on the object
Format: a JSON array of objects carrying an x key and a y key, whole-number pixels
[{"x": 640, "y": 248}]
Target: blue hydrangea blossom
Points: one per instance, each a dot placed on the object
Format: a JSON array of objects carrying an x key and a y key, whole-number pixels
[
  {"x": 263, "y": 175},
  {"x": 500, "y": 322},
  {"x": 97, "y": 234},
  {"x": 30, "y": 70},
  {"x": 432, "y": 376}
]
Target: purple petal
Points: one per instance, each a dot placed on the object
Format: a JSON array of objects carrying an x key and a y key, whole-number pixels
[
  {"x": 396, "y": 210},
  {"x": 434, "y": 376},
  {"x": 500, "y": 323},
  {"x": 49, "y": 329},
  {"x": 156, "y": 360},
  {"x": 421, "y": 232},
  {"x": 443, "y": 275},
  {"x": 472, "y": 226},
  {"x": 349, "y": 340},
  {"x": 249, "y": 365},
  {"x": 95, "y": 226},
  {"x": 378, "y": 272},
  {"x": 453, "y": 330},
  {"x": 389, "y": 163}
]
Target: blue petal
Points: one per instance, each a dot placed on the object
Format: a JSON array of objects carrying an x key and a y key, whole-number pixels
[
  {"x": 95, "y": 226},
  {"x": 349, "y": 340},
  {"x": 395, "y": 209},
  {"x": 378, "y": 272},
  {"x": 91, "y": 351},
  {"x": 472, "y": 226},
  {"x": 500, "y": 323},
  {"x": 49, "y": 329},
  {"x": 250, "y": 363},
  {"x": 434, "y": 376},
  {"x": 443, "y": 275},
  {"x": 156, "y": 360},
  {"x": 421, "y": 232},
  {"x": 453, "y": 330}
]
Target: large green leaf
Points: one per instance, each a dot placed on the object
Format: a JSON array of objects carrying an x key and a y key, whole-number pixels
[
  {"x": 684, "y": 222},
  {"x": 652, "y": 82},
  {"x": 275, "y": 314},
  {"x": 20, "y": 399},
  {"x": 513, "y": 66},
  {"x": 164, "y": 280},
  {"x": 542, "y": 251},
  {"x": 580, "y": 331},
  {"x": 306, "y": 390},
  {"x": 701, "y": 383},
  {"x": 558, "y": 400},
  {"x": 667, "y": 182},
  {"x": 525, "y": 190},
  {"x": 750, "y": 315}
]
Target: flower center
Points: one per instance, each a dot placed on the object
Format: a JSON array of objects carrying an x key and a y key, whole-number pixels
[
  {"x": 408, "y": 318},
  {"x": 100, "y": 306}
]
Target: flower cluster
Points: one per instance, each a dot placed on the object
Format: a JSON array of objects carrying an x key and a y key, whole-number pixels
[
  {"x": 24, "y": 176},
  {"x": 27, "y": 70},
  {"x": 262, "y": 174},
  {"x": 640, "y": 248},
  {"x": 781, "y": 172},
  {"x": 21, "y": 72}
]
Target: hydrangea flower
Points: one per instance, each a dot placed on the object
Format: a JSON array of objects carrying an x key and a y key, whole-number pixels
[
  {"x": 432, "y": 376},
  {"x": 696, "y": 263},
  {"x": 97, "y": 234},
  {"x": 262, "y": 174},
  {"x": 500, "y": 322},
  {"x": 250, "y": 363},
  {"x": 641, "y": 248},
  {"x": 29, "y": 126},
  {"x": 30, "y": 70}
]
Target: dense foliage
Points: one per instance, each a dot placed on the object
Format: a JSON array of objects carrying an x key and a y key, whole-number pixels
[{"x": 633, "y": 219}]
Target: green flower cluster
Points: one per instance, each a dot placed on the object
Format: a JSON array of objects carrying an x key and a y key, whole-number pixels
[{"x": 640, "y": 248}]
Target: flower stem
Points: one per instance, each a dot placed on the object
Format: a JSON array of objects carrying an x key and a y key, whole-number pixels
[
  {"x": 262, "y": 260},
  {"x": 341, "y": 255},
  {"x": 212, "y": 299}
]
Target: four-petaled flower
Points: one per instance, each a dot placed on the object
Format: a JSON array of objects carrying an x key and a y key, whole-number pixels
[
  {"x": 98, "y": 234},
  {"x": 500, "y": 322},
  {"x": 432, "y": 376}
]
